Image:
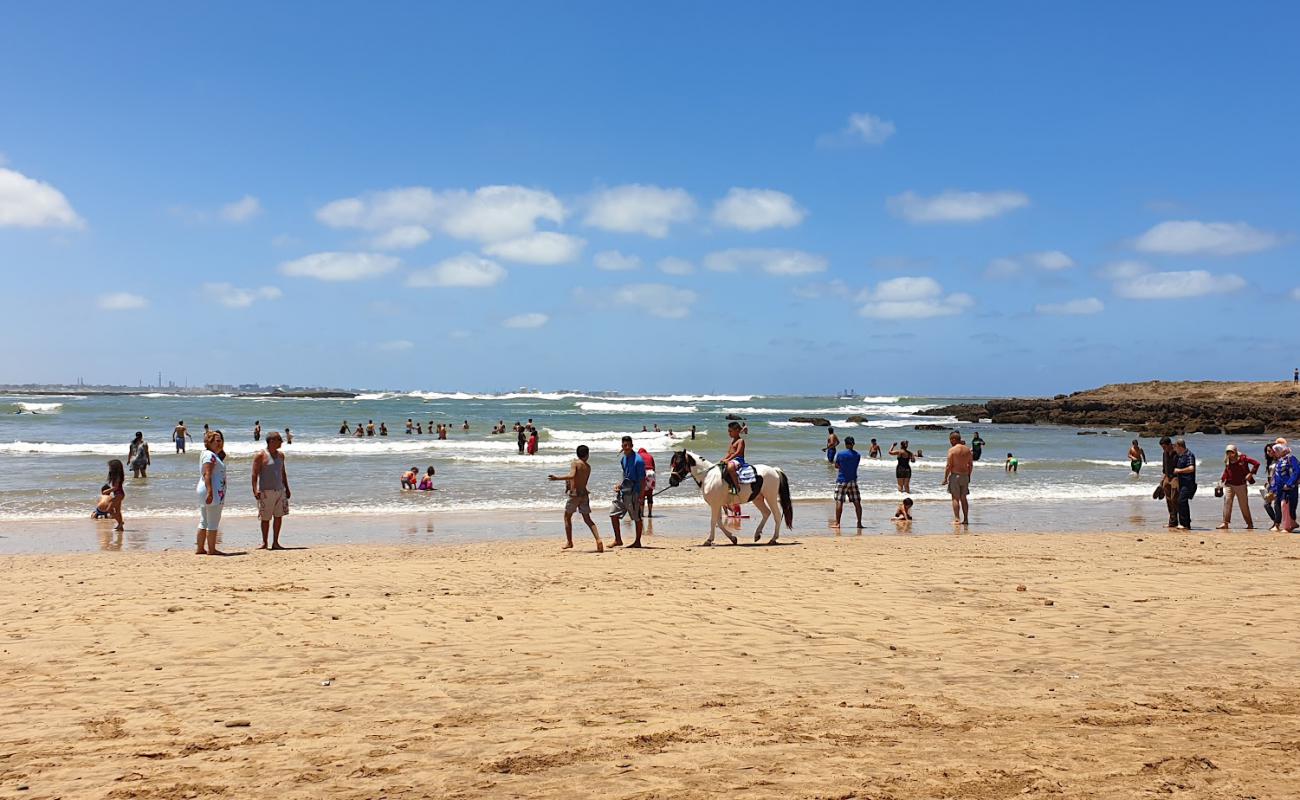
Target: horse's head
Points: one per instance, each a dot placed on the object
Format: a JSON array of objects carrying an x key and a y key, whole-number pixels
[{"x": 682, "y": 464}]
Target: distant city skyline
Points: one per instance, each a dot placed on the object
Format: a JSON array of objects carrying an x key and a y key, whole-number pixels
[{"x": 953, "y": 200}]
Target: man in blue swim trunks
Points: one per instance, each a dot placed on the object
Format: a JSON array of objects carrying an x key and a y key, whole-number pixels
[
  {"x": 832, "y": 442},
  {"x": 627, "y": 493},
  {"x": 179, "y": 435}
]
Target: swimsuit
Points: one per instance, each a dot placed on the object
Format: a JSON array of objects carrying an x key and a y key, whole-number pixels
[
  {"x": 101, "y": 513},
  {"x": 904, "y": 469}
]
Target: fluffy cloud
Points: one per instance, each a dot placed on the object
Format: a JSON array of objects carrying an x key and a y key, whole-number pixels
[
  {"x": 912, "y": 298},
  {"x": 466, "y": 270},
  {"x": 403, "y": 237},
  {"x": 545, "y": 247},
  {"x": 1189, "y": 237},
  {"x": 396, "y": 345},
  {"x": 614, "y": 261},
  {"x": 1123, "y": 270},
  {"x": 657, "y": 299},
  {"x": 242, "y": 210},
  {"x": 757, "y": 209},
  {"x": 1085, "y": 305},
  {"x": 771, "y": 261},
  {"x": 1049, "y": 260},
  {"x": 1177, "y": 285},
  {"x": 955, "y": 206},
  {"x": 487, "y": 214},
  {"x": 235, "y": 297},
  {"x": 122, "y": 301},
  {"x": 29, "y": 203},
  {"x": 862, "y": 128},
  {"x": 675, "y": 266},
  {"x": 634, "y": 208},
  {"x": 340, "y": 266},
  {"x": 530, "y": 320}
]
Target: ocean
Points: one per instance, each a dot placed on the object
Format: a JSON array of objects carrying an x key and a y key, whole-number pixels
[{"x": 53, "y": 455}]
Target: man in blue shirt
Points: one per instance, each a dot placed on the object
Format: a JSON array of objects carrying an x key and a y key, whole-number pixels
[
  {"x": 627, "y": 493},
  {"x": 846, "y": 481},
  {"x": 1185, "y": 472}
]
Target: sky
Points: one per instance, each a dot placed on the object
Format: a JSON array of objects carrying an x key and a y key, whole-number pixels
[{"x": 898, "y": 198}]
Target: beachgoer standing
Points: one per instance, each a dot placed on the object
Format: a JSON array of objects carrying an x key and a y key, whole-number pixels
[
  {"x": 521, "y": 437},
  {"x": 1168, "y": 463},
  {"x": 383, "y": 429},
  {"x": 1239, "y": 469},
  {"x": 648, "y": 490},
  {"x": 532, "y": 441},
  {"x": 288, "y": 435},
  {"x": 212, "y": 493},
  {"x": 343, "y": 429},
  {"x": 138, "y": 457},
  {"x": 179, "y": 435},
  {"x": 117, "y": 477},
  {"x": 410, "y": 477},
  {"x": 370, "y": 428},
  {"x": 976, "y": 446},
  {"x": 1185, "y": 472},
  {"x": 846, "y": 481},
  {"x": 1284, "y": 483},
  {"x": 271, "y": 489},
  {"x": 692, "y": 433},
  {"x": 627, "y": 493},
  {"x": 874, "y": 450},
  {"x": 956, "y": 476},
  {"x": 257, "y": 431},
  {"x": 1295, "y": 376},
  {"x": 579, "y": 498},
  {"x": 903, "y": 472},
  {"x": 1136, "y": 458},
  {"x": 832, "y": 442},
  {"x": 410, "y": 426}
]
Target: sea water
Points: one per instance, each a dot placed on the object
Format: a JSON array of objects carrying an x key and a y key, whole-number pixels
[{"x": 53, "y": 455}]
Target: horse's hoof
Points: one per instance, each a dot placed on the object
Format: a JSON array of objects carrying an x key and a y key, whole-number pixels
[
  {"x": 758, "y": 537},
  {"x": 707, "y": 544},
  {"x": 733, "y": 539}
]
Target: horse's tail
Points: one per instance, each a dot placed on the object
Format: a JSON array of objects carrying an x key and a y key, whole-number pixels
[{"x": 787, "y": 507}]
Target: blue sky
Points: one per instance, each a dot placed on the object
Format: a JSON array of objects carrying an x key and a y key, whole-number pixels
[{"x": 951, "y": 199}]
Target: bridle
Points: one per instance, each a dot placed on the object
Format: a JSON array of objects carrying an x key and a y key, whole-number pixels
[{"x": 681, "y": 468}]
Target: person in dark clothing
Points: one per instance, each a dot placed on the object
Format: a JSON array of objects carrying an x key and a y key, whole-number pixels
[
  {"x": 1185, "y": 472},
  {"x": 1169, "y": 462}
]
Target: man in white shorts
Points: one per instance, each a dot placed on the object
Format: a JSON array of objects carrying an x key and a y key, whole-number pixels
[{"x": 271, "y": 488}]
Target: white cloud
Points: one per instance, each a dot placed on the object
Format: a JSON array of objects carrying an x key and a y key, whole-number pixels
[
  {"x": 1123, "y": 270},
  {"x": 757, "y": 209},
  {"x": 544, "y": 247},
  {"x": 242, "y": 210},
  {"x": 235, "y": 297},
  {"x": 675, "y": 266},
  {"x": 614, "y": 261},
  {"x": 657, "y": 299},
  {"x": 1189, "y": 237},
  {"x": 340, "y": 266},
  {"x": 1177, "y": 285},
  {"x": 862, "y": 128},
  {"x": 955, "y": 206},
  {"x": 771, "y": 261},
  {"x": 29, "y": 203},
  {"x": 530, "y": 320},
  {"x": 396, "y": 345},
  {"x": 912, "y": 298},
  {"x": 487, "y": 214},
  {"x": 403, "y": 237},
  {"x": 1049, "y": 260},
  {"x": 1085, "y": 305},
  {"x": 634, "y": 208},
  {"x": 122, "y": 301},
  {"x": 466, "y": 270}
]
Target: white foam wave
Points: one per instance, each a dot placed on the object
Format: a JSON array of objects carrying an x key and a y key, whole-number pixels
[
  {"x": 636, "y": 408},
  {"x": 864, "y": 410},
  {"x": 695, "y": 398},
  {"x": 39, "y": 408},
  {"x": 502, "y": 396}
]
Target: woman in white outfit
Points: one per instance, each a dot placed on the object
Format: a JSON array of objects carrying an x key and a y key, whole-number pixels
[{"x": 211, "y": 491}]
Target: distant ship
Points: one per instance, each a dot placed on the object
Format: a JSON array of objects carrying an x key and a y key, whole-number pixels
[{"x": 847, "y": 394}]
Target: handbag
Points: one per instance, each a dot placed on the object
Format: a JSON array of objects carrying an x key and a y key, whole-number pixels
[
  {"x": 1218, "y": 490},
  {"x": 1159, "y": 493}
]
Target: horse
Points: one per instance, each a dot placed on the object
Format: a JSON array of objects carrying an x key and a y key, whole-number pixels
[{"x": 770, "y": 493}]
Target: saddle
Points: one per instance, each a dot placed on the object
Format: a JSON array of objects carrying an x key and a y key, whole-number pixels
[{"x": 748, "y": 477}]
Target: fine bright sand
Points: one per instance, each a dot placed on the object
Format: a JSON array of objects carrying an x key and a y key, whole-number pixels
[{"x": 1132, "y": 665}]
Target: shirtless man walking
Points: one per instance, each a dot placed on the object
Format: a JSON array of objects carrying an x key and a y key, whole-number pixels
[
  {"x": 956, "y": 476},
  {"x": 575, "y": 485},
  {"x": 179, "y": 435}
]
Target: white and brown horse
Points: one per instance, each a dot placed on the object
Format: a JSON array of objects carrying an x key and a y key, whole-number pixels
[{"x": 770, "y": 493}]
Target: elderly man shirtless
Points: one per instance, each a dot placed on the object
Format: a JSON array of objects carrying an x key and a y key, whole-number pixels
[
  {"x": 575, "y": 484},
  {"x": 956, "y": 476}
]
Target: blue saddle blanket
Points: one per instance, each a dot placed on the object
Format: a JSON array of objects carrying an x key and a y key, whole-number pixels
[{"x": 747, "y": 474}]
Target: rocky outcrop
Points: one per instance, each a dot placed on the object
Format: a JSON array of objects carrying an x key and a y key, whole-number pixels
[
  {"x": 820, "y": 421},
  {"x": 1151, "y": 409},
  {"x": 858, "y": 418},
  {"x": 929, "y": 426},
  {"x": 735, "y": 417}
]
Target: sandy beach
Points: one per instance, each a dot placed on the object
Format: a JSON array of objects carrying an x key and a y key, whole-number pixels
[{"x": 1064, "y": 666}]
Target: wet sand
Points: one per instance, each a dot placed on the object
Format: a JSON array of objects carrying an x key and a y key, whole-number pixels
[{"x": 1130, "y": 665}]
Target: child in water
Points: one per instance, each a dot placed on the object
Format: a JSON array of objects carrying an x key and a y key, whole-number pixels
[
  {"x": 904, "y": 511},
  {"x": 409, "y": 477},
  {"x": 104, "y": 505},
  {"x": 426, "y": 483},
  {"x": 1013, "y": 463}
]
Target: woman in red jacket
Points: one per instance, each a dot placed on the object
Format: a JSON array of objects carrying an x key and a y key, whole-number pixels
[{"x": 1238, "y": 470}]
